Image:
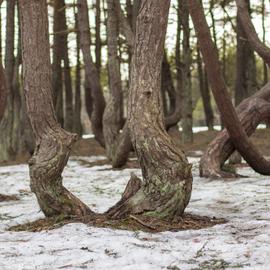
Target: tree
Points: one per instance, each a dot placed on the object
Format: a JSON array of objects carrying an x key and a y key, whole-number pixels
[
  {"x": 3, "y": 90},
  {"x": 219, "y": 89},
  {"x": 95, "y": 102},
  {"x": 187, "y": 134},
  {"x": 53, "y": 143},
  {"x": 117, "y": 144},
  {"x": 10, "y": 124},
  {"x": 167, "y": 180}
]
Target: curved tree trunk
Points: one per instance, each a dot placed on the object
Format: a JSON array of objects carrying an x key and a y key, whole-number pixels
[
  {"x": 91, "y": 74},
  {"x": 167, "y": 181},
  {"x": 117, "y": 144},
  {"x": 53, "y": 143},
  {"x": 250, "y": 31},
  {"x": 251, "y": 113},
  {"x": 219, "y": 89}
]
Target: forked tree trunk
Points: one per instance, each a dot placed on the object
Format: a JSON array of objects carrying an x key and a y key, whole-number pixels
[
  {"x": 53, "y": 143},
  {"x": 91, "y": 74},
  {"x": 117, "y": 144},
  {"x": 167, "y": 181},
  {"x": 219, "y": 89}
]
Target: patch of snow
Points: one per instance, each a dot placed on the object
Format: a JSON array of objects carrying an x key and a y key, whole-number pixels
[{"x": 242, "y": 243}]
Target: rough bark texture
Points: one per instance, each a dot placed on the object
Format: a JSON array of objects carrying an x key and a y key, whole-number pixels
[
  {"x": 187, "y": 134},
  {"x": 53, "y": 143},
  {"x": 221, "y": 95},
  {"x": 91, "y": 75},
  {"x": 251, "y": 113},
  {"x": 167, "y": 180},
  {"x": 117, "y": 144}
]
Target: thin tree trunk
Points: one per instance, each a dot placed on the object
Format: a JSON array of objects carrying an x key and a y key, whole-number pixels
[
  {"x": 3, "y": 90},
  {"x": 250, "y": 31},
  {"x": 187, "y": 134},
  {"x": 9, "y": 143},
  {"x": 205, "y": 93},
  {"x": 97, "y": 36},
  {"x": 221, "y": 95},
  {"x": 53, "y": 143},
  {"x": 57, "y": 62},
  {"x": 167, "y": 179},
  {"x": 265, "y": 68},
  {"x": 91, "y": 73},
  {"x": 77, "y": 123},
  {"x": 116, "y": 148},
  {"x": 68, "y": 119}
]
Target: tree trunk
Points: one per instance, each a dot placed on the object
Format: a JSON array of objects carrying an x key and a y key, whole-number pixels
[
  {"x": 250, "y": 31},
  {"x": 221, "y": 95},
  {"x": 187, "y": 134},
  {"x": 77, "y": 123},
  {"x": 68, "y": 119},
  {"x": 3, "y": 90},
  {"x": 117, "y": 144},
  {"x": 205, "y": 93},
  {"x": 251, "y": 112},
  {"x": 8, "y": 127},
  {"x": 265, "y": 68},
  {"x": 57, "y": 62},
  {"x": 53, "y": 143},
  {"x": 167, "y": 180},
  {"x": 98, "y": 38},
  {"x": 91, "y": 74}
]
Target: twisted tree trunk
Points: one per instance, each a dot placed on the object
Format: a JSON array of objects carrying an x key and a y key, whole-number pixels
[
  {"x": 167, "y": 180},
  {"x": 219, "y": 89},
  {"x": 53, "y": 143}
]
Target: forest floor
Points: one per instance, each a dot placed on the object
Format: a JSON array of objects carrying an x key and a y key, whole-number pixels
[{"x": 240, "y": 243}]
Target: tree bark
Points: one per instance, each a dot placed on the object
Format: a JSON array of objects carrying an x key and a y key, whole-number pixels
[
  {"x": 117, "y": 144},
  {"x": 57, "y": 62},
  {"x": 205, "y": 93},
  {"x": 77, "y": 123},
  {"x": 187, "y": 133},
  {"x": 251, "y": 112},
  {"x": 167, "y": 180},
  {"x": 3, "y": 90},
  {"x": 250, "y": 31},
  {"x": 53, "y": 143},
  {"x": 219, "y": 89},
  {"x": 9, "y": 139},
  {"x": 91, "y": 75}
]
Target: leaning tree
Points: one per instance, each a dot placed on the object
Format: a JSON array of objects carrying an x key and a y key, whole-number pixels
[
  {"x": 237, "y": 133},
  {"x": 53, "y": 144}
]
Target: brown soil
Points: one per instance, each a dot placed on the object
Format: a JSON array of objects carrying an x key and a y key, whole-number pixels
[
  {"x": 133, "y": 223},
  {"x": 90, "y": 147},
  {"x": 4, "y": 198}
]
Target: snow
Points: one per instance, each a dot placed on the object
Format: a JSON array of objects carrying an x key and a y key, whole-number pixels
[{"x": 242, "y": 243}]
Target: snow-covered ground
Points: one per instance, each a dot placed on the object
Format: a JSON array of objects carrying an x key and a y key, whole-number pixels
[{"x": 242, "y": 243}]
